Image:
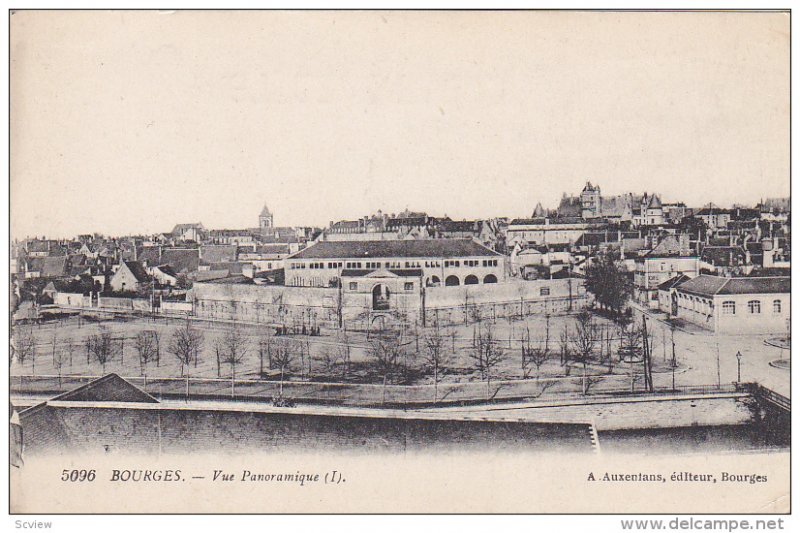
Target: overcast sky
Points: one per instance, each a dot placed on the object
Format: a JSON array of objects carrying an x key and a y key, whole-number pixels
[{"x": 131, "y": 122}]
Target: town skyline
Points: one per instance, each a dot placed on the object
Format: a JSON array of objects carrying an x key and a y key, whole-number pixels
[
  {"x": 326, "y": 117},
  {"x": 251, "y": 221}
]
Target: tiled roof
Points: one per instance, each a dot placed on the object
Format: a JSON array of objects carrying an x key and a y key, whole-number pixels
[
  {"x": 705, "y": 285},
  {"x": 218, "y": 253},
  {"x": 149, "y": 254},
  {"x": 570, "y": 207},
  {"x": 182, "y": 260},
  {"x": 767, "y": 285},
  {"x": 437, "y": 248},
  {"x": 272, "y": 249},
  {"x": 48, "y": 267},
  {"x": 459, "y": 226}
]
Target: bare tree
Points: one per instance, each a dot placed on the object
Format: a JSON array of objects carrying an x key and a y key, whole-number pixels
[
  {"x": 564, "y": 345},
  {"x": 487, "y": 354},
  {"x": 69, "y": 346},
  {"x": 386, "y": 350},
  {"x": 344, "y": 349},
  {"x": 283, "y": 358},
  {"x": 264, "y": 348},
  {"x": 185, "y": 344},
  {"x": 630, "y": 346},
  {"x": 157, "y": 343},
  {"x": 23, "y": 343},
  {"x": 145, "y": 347},
  {"x": 54, "y": 344},
  {"x": 58, "y": 363},
  {"x": 328, "y": 360},
  {"x": 584, "y": 341},
  {"x": 101, "y": 346},
  {"x": 436, "y": 357},
  {"x": 235, "y": 347},
  {"x": 219, "y": 348},
  {"x": 536, "y": 354}
]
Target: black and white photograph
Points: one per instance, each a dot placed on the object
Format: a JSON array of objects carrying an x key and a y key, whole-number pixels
[{"x": 399, "y": 261}]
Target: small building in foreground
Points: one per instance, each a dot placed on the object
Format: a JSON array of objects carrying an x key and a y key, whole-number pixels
[{"x": 751, "y": 305}]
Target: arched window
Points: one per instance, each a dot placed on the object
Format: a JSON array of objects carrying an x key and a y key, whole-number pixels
[
  {"x": 491, "y": 278},
  {"x": 754, "y": 307},
  {"x": 776, "y": 307},
  {"x": 729, "y": 308},
  {"x": 380, "y": 298},
  {"x": 434, "y": 281},
  {"x": 452, "y": 281},
  {"x": 471, "y": 280}
]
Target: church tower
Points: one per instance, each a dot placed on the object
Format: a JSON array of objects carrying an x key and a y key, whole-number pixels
[{"x": 265, "y": 219}]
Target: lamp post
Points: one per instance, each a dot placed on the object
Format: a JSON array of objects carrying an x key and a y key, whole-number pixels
[{"x": 738, "y": 367}]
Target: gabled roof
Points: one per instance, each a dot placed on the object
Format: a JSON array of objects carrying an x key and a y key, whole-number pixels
[
  {"x": 435, "y": 248},
  {"x": 538, "y": 211},
  {"x": 168, "y": 270},
  {"x": 265, "y": 212},
  {"x": 137, "y": 270},
  {"x": 668, "y": 246},
  {"x": 654, "y": 202},
  {"x": 673, "y": 282},
  {"x": 109, "y": 388}
]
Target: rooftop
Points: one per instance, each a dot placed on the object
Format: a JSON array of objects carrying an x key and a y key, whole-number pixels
[
  {"x": 437, "y": 248},
  {"x": 705, "y": 285}
]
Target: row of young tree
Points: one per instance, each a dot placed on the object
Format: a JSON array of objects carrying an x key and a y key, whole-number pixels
[{"x": 391, "y": 352}]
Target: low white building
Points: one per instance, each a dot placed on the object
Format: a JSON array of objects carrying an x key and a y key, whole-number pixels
[{"x": 751, "y": 305}]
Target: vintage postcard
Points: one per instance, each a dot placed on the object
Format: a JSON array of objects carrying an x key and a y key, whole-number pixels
[{"x": 342, "y": 261}]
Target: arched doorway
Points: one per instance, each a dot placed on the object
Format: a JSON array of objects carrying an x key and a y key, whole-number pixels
[
  {"x": 471, "y": 280},
  {"x": 434, "y": 281},
  {"x": 380, "y": 298},
  {"x": 452, "y": 281},
  {"x": 490, "y": 278}
]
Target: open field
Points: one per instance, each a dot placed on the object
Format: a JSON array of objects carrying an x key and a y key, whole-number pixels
[{"x": 696, "y": 354}]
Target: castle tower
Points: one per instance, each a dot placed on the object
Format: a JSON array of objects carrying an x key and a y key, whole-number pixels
[
  {"x": 590, "y": 201},
  {"x": 265, "y": 219}
]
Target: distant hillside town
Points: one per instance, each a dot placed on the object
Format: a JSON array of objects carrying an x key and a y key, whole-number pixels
[{"x": 723, "y": 268}]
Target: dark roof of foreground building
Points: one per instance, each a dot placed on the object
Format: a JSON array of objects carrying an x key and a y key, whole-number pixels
[
  {"x": 705, "y": 285},
  {"x": 673, "y": 282},
  {"x": 412, "y": 248},
  {"x": 109, "y": 388}
]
